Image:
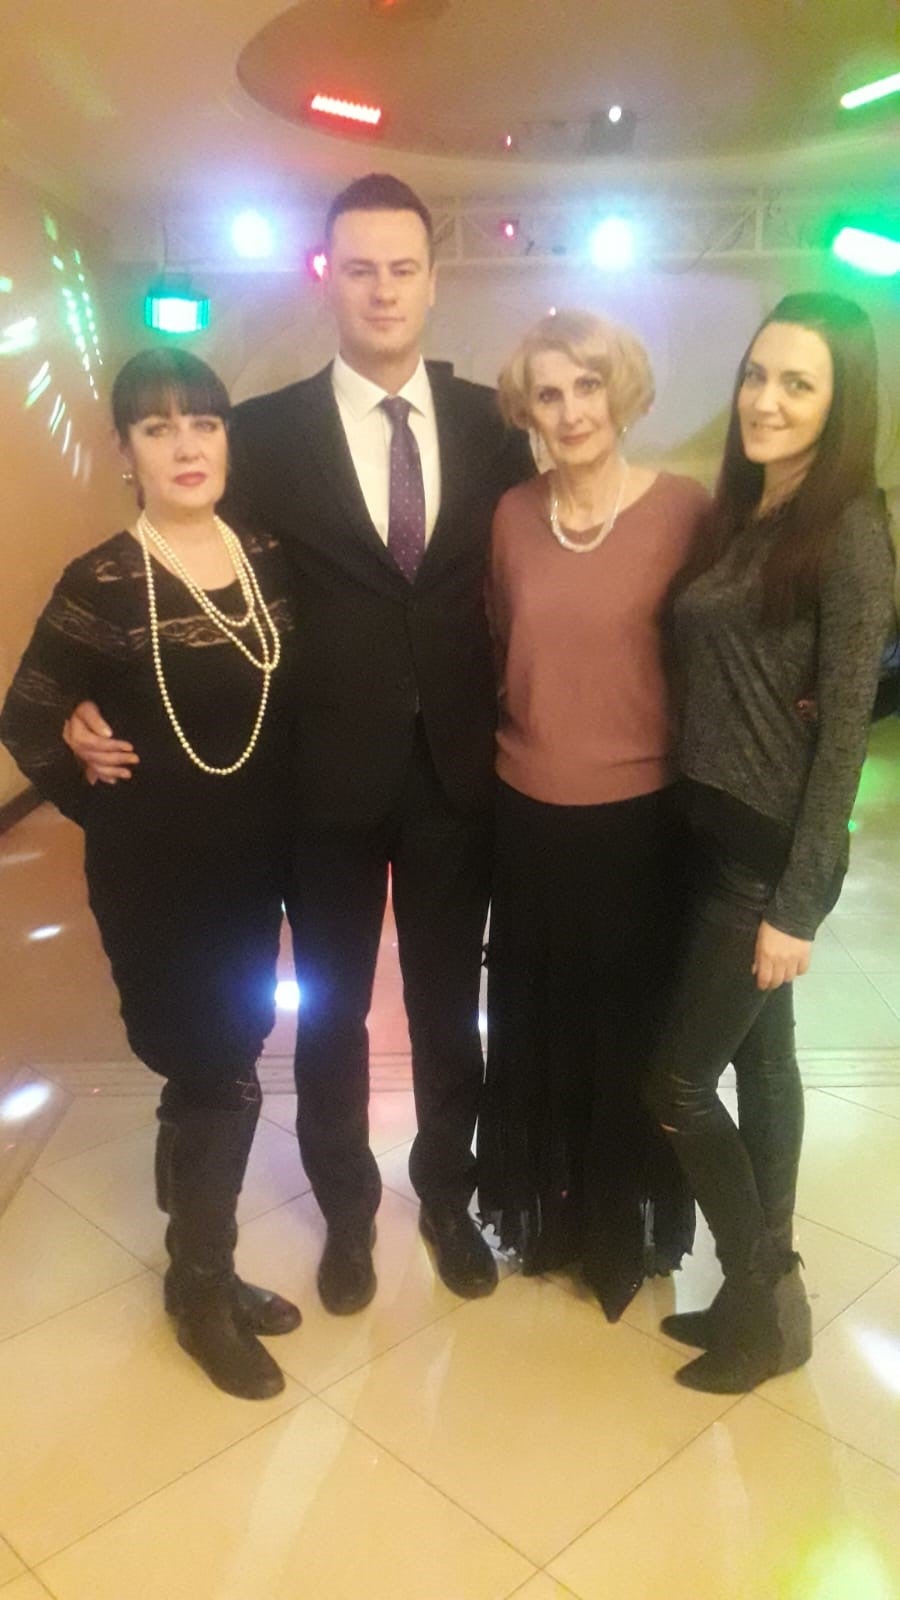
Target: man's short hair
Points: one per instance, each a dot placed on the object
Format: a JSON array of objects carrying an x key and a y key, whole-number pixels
[{"x": 379, "y": 191}]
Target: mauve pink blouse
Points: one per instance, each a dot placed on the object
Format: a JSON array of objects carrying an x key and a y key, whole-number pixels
[{"x": 585, "y": 712}]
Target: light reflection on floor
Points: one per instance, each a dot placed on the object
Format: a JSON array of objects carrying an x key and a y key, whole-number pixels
[{"x": 426, "y": 1449}]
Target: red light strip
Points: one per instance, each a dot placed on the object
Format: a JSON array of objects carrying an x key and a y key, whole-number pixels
[{"x": 347, "y": 110}]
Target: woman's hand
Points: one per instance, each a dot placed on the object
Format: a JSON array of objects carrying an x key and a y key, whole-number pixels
[
  {"x": 779, "y": 957},
  {"x": 105, "y": 759}
]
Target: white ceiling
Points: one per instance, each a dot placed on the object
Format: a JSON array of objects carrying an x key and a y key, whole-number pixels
[{"x": 121, "y": 99}]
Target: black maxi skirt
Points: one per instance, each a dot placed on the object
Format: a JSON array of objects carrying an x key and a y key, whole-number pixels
[{"x": 585, "y": 921}]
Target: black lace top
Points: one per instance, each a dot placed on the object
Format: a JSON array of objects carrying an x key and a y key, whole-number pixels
[{"x": 92, "y": 642}]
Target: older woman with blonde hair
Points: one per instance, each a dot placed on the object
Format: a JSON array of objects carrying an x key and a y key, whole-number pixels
[{"x": 587, "y": 897}]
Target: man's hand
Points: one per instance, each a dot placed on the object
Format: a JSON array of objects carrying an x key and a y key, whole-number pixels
[
  {"x": 779, "y": 957},
  {"x": 90, "y": 739}
]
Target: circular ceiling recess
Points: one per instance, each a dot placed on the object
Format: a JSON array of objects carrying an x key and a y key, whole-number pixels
[{"x": 538, "y": 79}]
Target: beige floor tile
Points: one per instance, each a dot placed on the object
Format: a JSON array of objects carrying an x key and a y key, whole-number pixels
[
  {"x": 885, "y": 1099},
  {"x": 306, "y": 1509},
  {"x": 848, "y": 1172},
  {"x": 871, "y": 936},
  {"x": 25, "y": 1588},
  {"x": 94, "y": 1120},
  {"x": 31, "y": 1108},
  {"x": 392, "y": 1117},
  {"x": 841, "y": 1011},
  {"x": 528, "y": 1409},
  {"x": 837, "y": 1271},
  {"x": 113, "y": 1185},
  {"x": 282, "y": 1110},
  {"x": 98, "y": 1408},
  {"x": 760, "y": 1507},
  {"x": 282, "y": 1250},
  {"x": 888, "y": 986},
  {"x": 543, "y": 1587},
  {"x": 851, "y": 1387},
  {"x": 394, "y": 1169},
  {"x": 10, "y": 1565},
  {"x": 873, "y": 883},
  {"x": 829, "y": 955},
  {"x": 50, "y": 1259}
]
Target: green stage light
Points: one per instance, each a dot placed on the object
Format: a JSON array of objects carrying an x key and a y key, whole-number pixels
[
  {"x": 874, "y": 253},
  {"x": 175, "y": 311},
  {"x": 871, "y": 91}
]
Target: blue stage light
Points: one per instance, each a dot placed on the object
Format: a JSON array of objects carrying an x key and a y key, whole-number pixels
[
  {"x": 253, "y": 236},
  {"x": 612, "y": 244}
]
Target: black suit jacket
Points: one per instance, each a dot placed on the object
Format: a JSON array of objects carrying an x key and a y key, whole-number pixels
[{"x": 373, "y": 649}]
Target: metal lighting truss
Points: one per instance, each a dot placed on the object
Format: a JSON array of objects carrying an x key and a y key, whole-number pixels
[{"x": 671, "y": 234}]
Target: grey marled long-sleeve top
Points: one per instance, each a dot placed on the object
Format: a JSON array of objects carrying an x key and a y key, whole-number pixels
[{"x": 744, "y": 732}]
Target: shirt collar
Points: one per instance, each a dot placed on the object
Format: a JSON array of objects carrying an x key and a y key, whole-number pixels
[{"x": 362, "y": 396}]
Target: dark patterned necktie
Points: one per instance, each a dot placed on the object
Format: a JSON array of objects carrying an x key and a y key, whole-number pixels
[{"x": 406, "y": 514}]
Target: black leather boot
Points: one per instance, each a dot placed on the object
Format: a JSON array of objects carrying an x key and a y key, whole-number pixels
[
  {"x": 697, "y": 1327},
  {"x": 763, "y": 1327},
  {"x": 210, "y": 1331},
  {"x": 260, "y": 1310},
  {"x": 201, "y": 1159}
]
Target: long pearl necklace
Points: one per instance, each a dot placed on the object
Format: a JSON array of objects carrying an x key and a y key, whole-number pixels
[
  {"x": 257, "y": 613},
  {"x": 582, "y": 547}
]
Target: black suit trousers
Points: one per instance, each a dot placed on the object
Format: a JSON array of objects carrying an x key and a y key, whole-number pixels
[{"x": 440, "y": 861}]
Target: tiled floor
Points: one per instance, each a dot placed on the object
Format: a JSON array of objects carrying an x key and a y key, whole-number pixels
[{"x": 427, "y": 1449}]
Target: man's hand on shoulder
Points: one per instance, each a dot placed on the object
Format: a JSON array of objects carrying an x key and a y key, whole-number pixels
[{"x": 90, "y": 739}]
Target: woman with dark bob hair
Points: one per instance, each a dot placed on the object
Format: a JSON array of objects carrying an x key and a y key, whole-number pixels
[
  {"x": 586, "y": 900},
  {"x": 778, "y": 639},
  {"x": 179, "y": 628}
]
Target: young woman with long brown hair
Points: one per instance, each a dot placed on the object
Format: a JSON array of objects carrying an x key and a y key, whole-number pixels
[{"x": 778, "y": 640}]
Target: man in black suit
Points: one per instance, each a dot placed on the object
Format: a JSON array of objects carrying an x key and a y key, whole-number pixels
[{"x": 380, "y": 476}]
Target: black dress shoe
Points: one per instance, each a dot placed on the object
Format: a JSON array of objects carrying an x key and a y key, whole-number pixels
[
  {"x": 461, "y": 1256},
  {"x": 346, "y": 1276},
  {"x": 260, "y": 1311}
]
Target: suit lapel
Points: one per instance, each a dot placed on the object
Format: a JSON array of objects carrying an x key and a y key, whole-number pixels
[{"x": 326, "y": 441}]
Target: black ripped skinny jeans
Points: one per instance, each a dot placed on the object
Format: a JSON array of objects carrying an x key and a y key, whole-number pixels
[{"x": 744, "y": 1177}]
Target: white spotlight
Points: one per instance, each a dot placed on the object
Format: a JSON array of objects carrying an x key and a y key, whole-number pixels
[
  {"x": 611, "y": 244},
  {"x": 615, "y": 113},
  {"x": 287, "y": 995},
  {"x": 21, "y": 1104},
  {"x": 252, "y": 235}
]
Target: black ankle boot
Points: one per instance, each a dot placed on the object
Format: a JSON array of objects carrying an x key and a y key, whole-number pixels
[{"x": 761, "y": 1329}]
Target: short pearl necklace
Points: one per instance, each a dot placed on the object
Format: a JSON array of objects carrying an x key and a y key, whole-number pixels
[
  {"x": 582, "y": 547},
  {"x": 265, "y": 629}
]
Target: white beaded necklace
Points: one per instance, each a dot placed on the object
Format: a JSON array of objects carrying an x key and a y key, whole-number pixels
[
  {"x": 265, "y": 629},
  {"x": 582, "y": 547}
]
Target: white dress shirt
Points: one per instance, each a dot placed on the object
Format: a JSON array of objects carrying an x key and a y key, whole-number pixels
[{"x": 368, "y": 431}]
